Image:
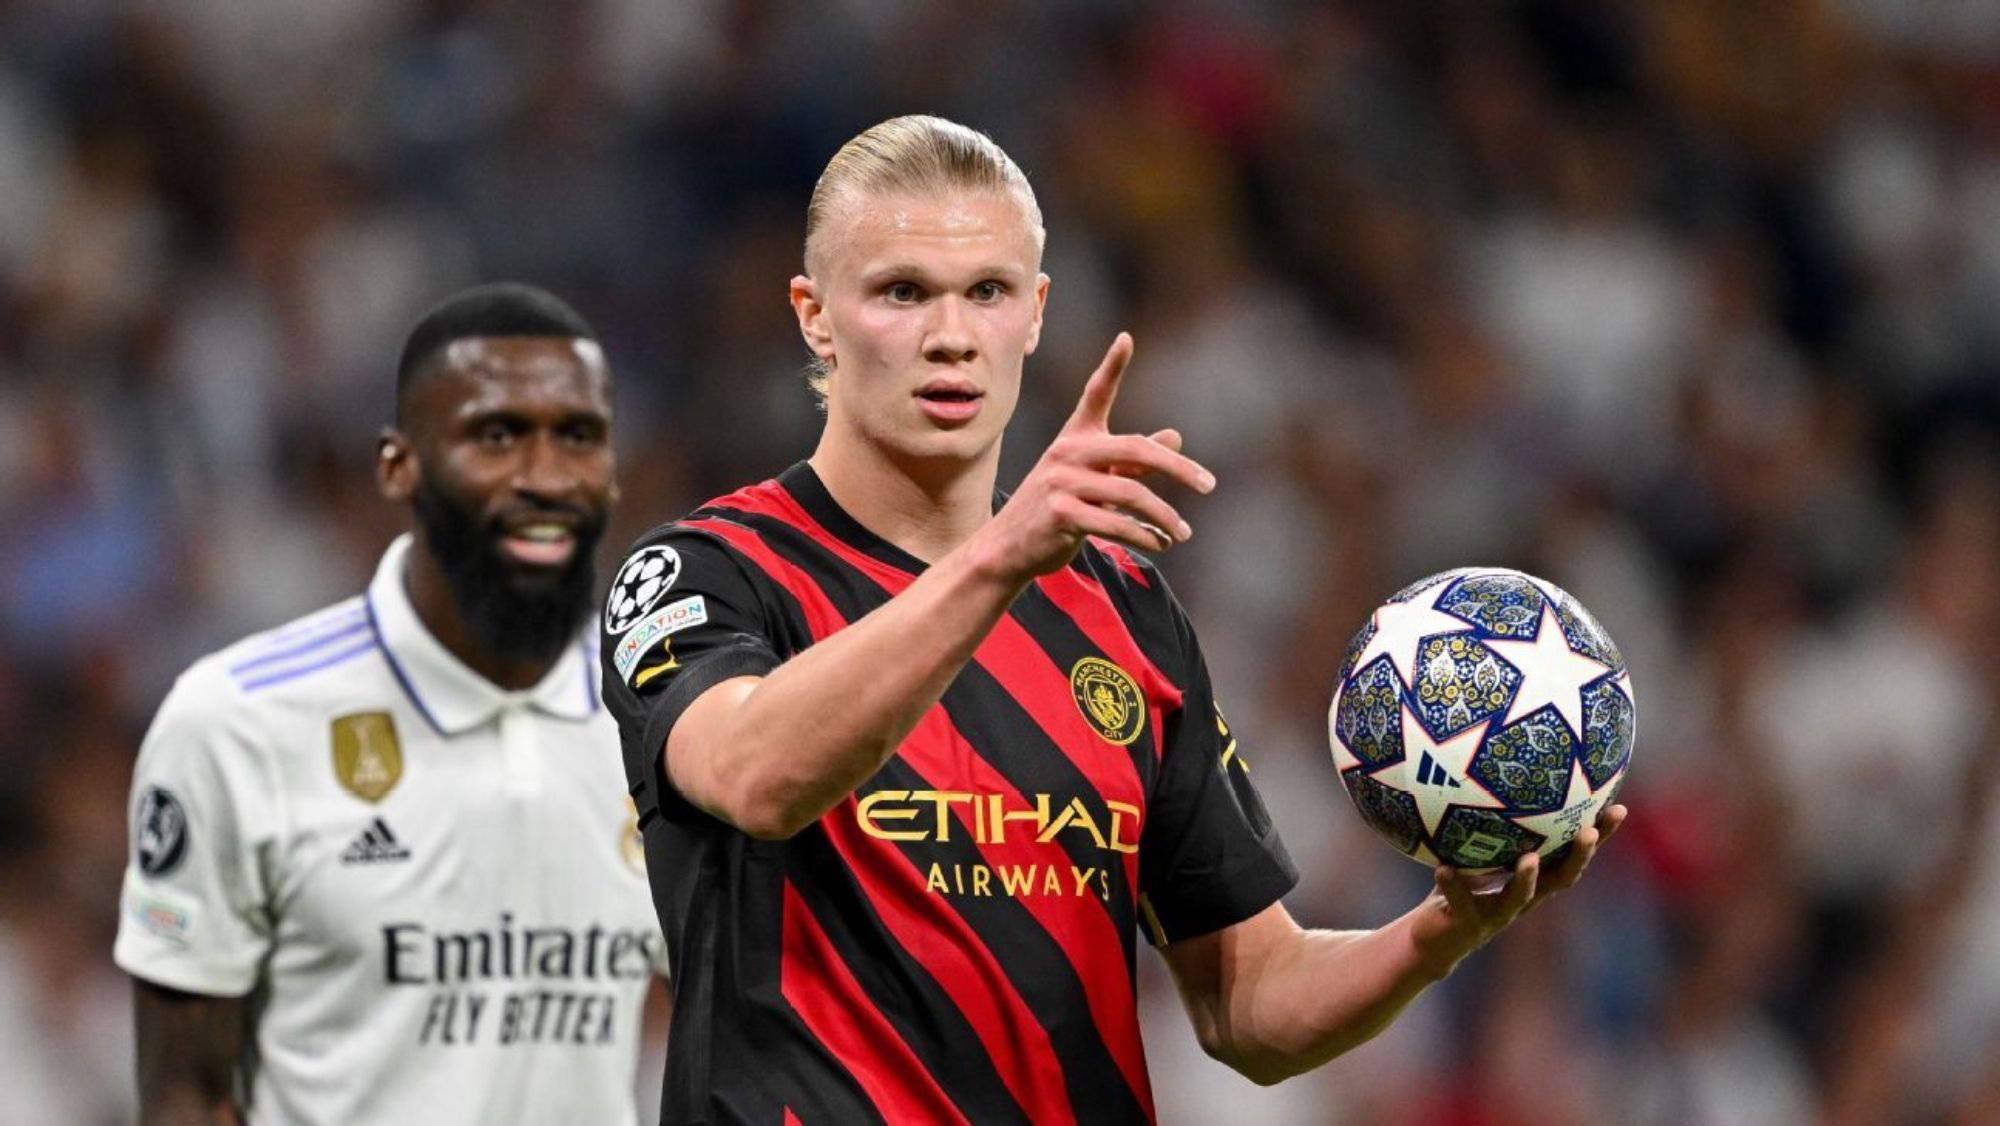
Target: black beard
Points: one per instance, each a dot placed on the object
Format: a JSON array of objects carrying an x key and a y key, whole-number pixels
[{"x": 515, "y": 615}]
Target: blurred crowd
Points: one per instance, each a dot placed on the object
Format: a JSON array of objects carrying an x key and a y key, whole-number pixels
[{"x": 1692, "y": 308}]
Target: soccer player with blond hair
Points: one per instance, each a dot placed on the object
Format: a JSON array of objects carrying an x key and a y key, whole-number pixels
[{"x": 918, "y": 762}]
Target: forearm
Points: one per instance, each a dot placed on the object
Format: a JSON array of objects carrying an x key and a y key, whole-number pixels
[
  {"x": 781, "y": 753},
  {"x": 1317, "y": 995},
  {"x": 186, "y": 1104},
  {"x": 188, "y": 1046}
]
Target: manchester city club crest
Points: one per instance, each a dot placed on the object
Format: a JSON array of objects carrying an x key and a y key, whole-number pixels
[
  {"x": 367, "y": 756},
  {"x": 1108, "y": 698}
]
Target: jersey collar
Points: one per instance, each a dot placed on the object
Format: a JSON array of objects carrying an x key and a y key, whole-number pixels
[
  {"x": 802, "y": 481},
  {"x": 451, "y": 697}
]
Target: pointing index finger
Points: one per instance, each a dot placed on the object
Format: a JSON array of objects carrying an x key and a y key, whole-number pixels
[{"x": 1093, "y": 410}]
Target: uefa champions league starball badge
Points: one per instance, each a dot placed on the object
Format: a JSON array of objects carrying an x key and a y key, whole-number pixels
[
  {"x": 1480, "y": 714},
  {"x": 639, "y": 586}
]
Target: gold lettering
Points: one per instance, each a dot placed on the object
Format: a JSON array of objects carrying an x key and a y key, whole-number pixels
[
  {"x": 997, "y": 817},
  {"x": 935, "y": 882},
  {"x": 943, "y": 800},
  {"x": 1118, "y": 810},
  {"x": 869, "y": 815},
  {"x": 1075, "y": 811},
  {"x": 900, "y": 815},
  {"x": 1082, "y": 877},
  {"x": 982, "y": 880},
  {"x": 1015, "y": 879},
  {"x": 1052, "y": 885}
]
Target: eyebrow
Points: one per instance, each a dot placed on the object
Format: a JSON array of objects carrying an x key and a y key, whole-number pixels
[
  {"x": 477, "y": 414},
  {"x": 911, "y": 269}
]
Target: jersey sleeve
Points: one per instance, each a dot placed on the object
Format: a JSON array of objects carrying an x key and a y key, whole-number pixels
[
  {"x": 682, "y": 617},
  {"x": 1210, "y": 856},
  {"x": 196, "y": 910}
]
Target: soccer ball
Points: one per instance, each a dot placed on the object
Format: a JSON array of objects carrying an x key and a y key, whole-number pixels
[{"x": 1481, "y": 713}]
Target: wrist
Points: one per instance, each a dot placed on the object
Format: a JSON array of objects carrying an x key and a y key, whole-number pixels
[
  {"x": 985, "y": 564},
  {"x": 1429, "y": 947}
]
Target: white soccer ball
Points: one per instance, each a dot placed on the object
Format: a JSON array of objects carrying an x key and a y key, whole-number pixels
[{"x": 1481, "y": 713}]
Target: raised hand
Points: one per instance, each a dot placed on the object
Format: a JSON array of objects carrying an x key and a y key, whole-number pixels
[
  {"x": 1086, "y": 485},
  {"x": 1455, "y": 919}
]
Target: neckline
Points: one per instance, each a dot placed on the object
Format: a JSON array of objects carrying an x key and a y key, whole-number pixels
[{"x": 805, "y": 486}]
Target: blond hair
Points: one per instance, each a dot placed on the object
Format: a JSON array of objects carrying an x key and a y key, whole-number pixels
[{"x": 915, "y": 155}]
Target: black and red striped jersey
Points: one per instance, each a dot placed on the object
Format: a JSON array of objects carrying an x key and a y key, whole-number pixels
[{"x": 956, "y": 940}]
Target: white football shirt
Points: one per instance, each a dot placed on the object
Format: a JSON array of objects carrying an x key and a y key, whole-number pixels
[{"x": 431, "y": 888}]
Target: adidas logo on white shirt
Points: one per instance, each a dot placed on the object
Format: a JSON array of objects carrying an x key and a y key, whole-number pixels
[{"x": 376, "y": 845}]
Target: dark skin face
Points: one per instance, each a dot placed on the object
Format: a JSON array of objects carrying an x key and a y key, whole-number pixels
[{"x": 513, "y": 434}]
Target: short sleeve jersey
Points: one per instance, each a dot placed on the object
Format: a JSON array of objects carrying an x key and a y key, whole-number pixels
[
  {"x": 430, "y": 889},
  {"x": 955, "y": 941}
]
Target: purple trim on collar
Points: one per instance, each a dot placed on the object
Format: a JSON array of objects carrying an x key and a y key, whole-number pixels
[
  {"x": 311, "y": 644},
  {"x": 283, "y": 676},
  {"x": 395, "y": 666}
]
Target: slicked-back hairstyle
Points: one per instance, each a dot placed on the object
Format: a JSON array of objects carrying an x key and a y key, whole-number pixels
[
  {"x": 498, "y": 309},
  {"x": 913, "y": 155}
]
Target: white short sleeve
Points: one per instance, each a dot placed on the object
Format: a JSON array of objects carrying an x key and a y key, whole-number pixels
[{"x": 195, "y": 911}]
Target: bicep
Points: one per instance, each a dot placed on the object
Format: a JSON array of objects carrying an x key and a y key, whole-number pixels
[
  {"x": 189, "y": 1045},
  {"x": 695, "y": 751}
]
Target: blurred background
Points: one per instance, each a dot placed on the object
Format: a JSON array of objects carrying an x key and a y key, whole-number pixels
[{"x": 1690, "y": 307}]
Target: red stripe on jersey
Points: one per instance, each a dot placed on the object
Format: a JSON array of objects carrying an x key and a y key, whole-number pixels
[
  {"x": 1011, "y": 654},
  {"x": 821, "y": 617},
  {"x": 940, "y": 941},
  {"x": 1026, "y": 672},
  {"x": 1122, "y": 556},
  {"x": 1085, "y": 934},
  {"x": 1089, "y": 605},
  {"x": 837, "y": 1010},
  {"x": 955, "y": 956},
  {"x": 792, "y": 1119}
]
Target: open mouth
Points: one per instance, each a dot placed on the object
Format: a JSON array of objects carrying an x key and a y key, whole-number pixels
[
  {"x": 949, "y": 402},
  {"x": 543, "y": 544}
]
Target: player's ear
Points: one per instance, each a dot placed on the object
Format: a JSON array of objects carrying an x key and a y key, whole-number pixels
[
  {"x": 1041, "y": 302},
  {"x": 396, "y": 468},
  {"x": 811, "y": 312}
]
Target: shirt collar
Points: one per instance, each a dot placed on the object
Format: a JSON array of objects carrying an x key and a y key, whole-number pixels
[{"x": 451, "y": 697}]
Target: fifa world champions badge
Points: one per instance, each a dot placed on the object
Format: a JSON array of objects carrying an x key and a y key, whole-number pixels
[{"x": 367, "y": 756}]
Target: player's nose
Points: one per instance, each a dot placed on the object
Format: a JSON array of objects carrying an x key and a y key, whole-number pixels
[
  {"x": 544, "y": 469},
  {"x": 948, "y": 338}
]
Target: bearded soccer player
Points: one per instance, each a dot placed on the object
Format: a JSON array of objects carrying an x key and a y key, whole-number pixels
[
  {"x": 917, "y": 763},
  {"x": 383, "y": 867}
]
